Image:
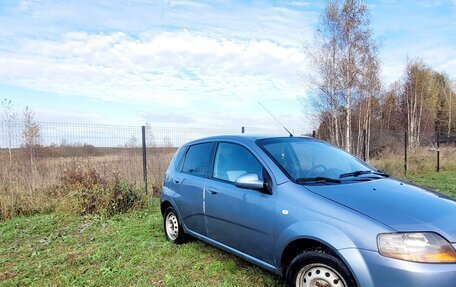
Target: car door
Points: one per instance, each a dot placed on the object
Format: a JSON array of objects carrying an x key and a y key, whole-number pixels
[
  {"x": 239, "y": 218},
  {"x": 192, "y": 180}
]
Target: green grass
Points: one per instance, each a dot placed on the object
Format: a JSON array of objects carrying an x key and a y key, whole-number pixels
[
  {"x": 128, "y": 250},
  {"x": 125, "y": 250},
  {"x": 444, "y": 182}
]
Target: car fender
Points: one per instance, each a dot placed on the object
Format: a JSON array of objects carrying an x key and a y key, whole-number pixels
[
  {"x": 321, "y": 232},
  {"x": 329, "y": 236}
]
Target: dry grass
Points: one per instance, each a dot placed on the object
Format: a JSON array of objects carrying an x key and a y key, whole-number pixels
[
  {"x": 420, "y": 160},
  {"x": 80, "y": 191},
  {"x": 27, "y": 189}
]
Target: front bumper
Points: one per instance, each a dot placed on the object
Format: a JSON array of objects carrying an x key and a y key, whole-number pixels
[{"x": 374, "y": 270}]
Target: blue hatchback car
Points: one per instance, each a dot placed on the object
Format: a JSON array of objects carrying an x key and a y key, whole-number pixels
[{"x": 310, "y": 212}]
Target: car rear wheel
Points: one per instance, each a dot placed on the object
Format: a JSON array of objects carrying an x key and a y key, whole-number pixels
[
  {"x": 173, "y": 228},
  {"x": 316, "y": 268}
]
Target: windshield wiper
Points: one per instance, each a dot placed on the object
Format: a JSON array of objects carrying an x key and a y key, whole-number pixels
[
  {"x": 317, "y": 179},
  {"x": 360, "y": 172}
]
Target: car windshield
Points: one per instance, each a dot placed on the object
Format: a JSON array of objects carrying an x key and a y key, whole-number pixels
[{"x": 309, "y": 160}]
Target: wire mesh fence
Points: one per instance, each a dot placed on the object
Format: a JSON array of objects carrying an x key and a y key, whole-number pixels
[
  {"x": 34, "y": 159},
  {"x": 401, "y": 153}
]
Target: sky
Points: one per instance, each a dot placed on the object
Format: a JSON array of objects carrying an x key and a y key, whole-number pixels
[{"x": 191, "y": 63}]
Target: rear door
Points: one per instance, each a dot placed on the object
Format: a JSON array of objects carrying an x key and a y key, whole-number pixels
[
  {"x": 239, "y": 218},
  {"x": 192, "y": 180}
]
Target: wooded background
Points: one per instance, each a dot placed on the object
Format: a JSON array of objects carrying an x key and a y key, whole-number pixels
[{"x": 349, "y": 97}]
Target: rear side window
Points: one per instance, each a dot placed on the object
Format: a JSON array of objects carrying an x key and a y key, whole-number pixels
[
  {"x": 177, "y": 163},
  {"x": 198, "y": 159},
  {"x": 232, "y": 161}
]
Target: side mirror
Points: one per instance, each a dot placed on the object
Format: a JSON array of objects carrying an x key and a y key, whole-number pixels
[{"x": 250, "y": 181}]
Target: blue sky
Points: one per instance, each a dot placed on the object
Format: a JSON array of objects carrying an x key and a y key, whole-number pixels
[{"x": 191, "y": 63}]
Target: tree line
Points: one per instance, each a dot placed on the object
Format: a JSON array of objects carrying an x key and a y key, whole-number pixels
[{"x": 352, "y": 106}]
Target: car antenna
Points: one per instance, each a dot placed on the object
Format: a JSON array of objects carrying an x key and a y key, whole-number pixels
[{"x": 291, "y": 135}]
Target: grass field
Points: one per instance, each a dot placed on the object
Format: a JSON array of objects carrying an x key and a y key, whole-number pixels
[
  {"x": 127, "y": 250},
  {"x": 444, "y": 182}
]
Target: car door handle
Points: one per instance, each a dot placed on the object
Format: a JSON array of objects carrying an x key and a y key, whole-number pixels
[
  {"x": 212, "y": 190},
  {"x": 176, "y": 180}
]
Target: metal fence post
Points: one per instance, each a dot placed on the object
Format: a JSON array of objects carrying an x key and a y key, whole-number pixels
[
  {"x": 313, "y": 133},
  {"x": 364, "y": 145},
  {"x": 405, "y": 151},
  {"x": 144, "y": 155},
  {"x": 438, "y": 151},
  {"x": 243, "y": 130}
]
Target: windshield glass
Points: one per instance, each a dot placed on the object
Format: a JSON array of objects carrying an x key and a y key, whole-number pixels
[{"x": 305, "y": 158}]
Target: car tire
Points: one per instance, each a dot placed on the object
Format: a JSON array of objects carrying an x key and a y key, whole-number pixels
[
  {"x": 174, "y": 231},
  {"x": 318, "y": 268}
]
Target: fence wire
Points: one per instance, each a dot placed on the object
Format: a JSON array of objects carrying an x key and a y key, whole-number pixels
[{"x": 33, "y": 159}]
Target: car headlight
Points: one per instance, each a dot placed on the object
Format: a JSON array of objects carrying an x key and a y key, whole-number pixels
[{"x": 426, "y": 247}]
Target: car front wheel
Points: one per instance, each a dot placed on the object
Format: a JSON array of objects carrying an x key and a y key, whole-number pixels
[{"x": 316, "y": 268}]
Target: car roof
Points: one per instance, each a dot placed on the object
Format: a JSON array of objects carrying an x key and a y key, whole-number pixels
[{"x": 241, "y": 138}]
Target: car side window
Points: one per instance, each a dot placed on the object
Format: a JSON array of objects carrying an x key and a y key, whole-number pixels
[
  {"x": 198, "y": 159},
  {"x": 233, "y": 160},
  {"x": 177, "y": 163}
]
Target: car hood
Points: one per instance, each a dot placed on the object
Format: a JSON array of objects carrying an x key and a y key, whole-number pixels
[{"x": 401, "y": 206}]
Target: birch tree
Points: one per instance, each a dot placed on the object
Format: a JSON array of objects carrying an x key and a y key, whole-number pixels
[
  {"x": 324, "y": 54},
  {"x": 420, "y": 95},
  {"x": 355, "y": 45},
  {"x": 369, "y": 87},
  {"x": 341, "y": 48},
  {"x": 444, "y": 117}
]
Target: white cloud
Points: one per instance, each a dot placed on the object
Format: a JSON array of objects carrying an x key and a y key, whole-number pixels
[
  {"x": 172, "y": 68},
  {"x": 193, "y": 57},
  {"x": 441, "y": 58},
  {"x": 212, "y": 60}
]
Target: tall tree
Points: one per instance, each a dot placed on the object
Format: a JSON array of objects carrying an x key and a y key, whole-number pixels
[
  {"x": 444, "y": 117},
  {"x": 420, "y": 95},
  {"x": 355, "y": 44},
  {"x": 390, "y": 108},
  {"x": 369, "y": 88},
  {"x": 343, "y": 57},
  {"x": 324, "y": 82}
]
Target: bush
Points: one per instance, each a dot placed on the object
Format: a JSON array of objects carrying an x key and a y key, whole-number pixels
[
  {"x": 81, "y": 191},
  {"x": 89, "y": 193}
]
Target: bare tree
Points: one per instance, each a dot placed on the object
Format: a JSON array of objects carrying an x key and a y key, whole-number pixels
[
  {"x": 342, "y": 57},
  {"x": 390, "y": 107},
  {"x": 444, "y": 121},
  {"x": 30, "y": 134},
  {"x": 420, "y": 93},
  {"x": 132, "y": 142},
  {"x": 167, "y": 142},
  {"x": 150, "y": 138},
  {"x": 356, "y": 45},
  {"x": 324, "y": 81},
  {"x": 369, "y": 87},
  {"x": 9, "y": 121}
]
